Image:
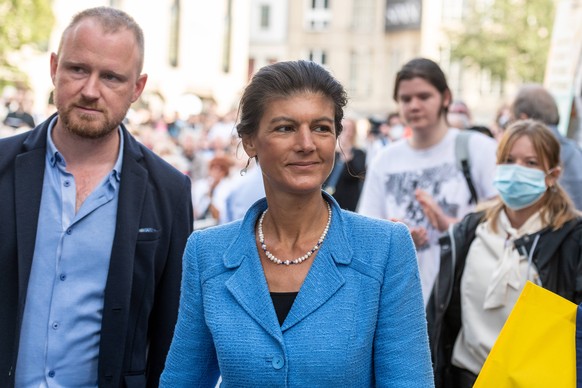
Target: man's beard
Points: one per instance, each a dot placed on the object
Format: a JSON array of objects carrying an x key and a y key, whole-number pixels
[{"x": 88, "y": 126}]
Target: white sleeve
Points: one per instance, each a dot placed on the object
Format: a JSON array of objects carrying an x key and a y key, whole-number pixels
[
  {"x": 482, "y": 151},
  {"x": 373, "y": 197}
]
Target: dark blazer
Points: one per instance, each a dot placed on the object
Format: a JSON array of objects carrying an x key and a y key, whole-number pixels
[{"x": 143, "y": 283}]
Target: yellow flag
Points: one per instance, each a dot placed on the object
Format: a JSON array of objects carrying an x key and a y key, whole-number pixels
[{"x": 537, "y": 345}]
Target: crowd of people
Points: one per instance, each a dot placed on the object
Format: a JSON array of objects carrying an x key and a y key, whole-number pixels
[{"x": 316, "y": 260}]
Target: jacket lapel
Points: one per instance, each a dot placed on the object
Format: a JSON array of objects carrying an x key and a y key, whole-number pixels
[
  {"x": 252, "y": 293},
  {"x": 324, "y": 278},
  {"x": 321, "y": 283},
  {"x": 117, "y": 297},
  {"x": 248, "y": 284},
  {"x": 29, "y": 177}
]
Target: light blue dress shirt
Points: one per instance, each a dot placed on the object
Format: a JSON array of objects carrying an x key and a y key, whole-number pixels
[{"x": 59, "y": 341}]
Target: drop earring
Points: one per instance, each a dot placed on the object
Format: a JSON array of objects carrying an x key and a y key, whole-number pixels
[{"x": 243, "y": 172}]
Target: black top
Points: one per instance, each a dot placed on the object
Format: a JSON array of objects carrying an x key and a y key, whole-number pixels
[
  {"x": 350, "y": 181},
  {"x": 282, "y": 301}
]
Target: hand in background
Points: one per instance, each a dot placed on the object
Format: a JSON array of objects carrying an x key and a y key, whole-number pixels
[
  {"x": 419, "y": 234},
  {"x": 433, "y": 211}
]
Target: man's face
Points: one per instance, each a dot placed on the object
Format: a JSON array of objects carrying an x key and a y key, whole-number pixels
[{"x": 96, "y": 78}]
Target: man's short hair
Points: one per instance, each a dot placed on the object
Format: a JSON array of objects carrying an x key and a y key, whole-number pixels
[{"x": 535, "y": 102}]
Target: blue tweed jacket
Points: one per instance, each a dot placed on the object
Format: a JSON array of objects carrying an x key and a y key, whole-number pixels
[{"x": 358, "y": 320}]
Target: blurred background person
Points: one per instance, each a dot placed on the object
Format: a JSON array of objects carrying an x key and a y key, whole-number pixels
[
  {"x": 531, "y": 232},
  {"x": 245, "y": 190},
  {"x": 382, "y": 133},
  {"x": 397, "y": 130},
  {"x": 459, "y": 116},
  {"x": 18, "y": 116},
  {"x": 503, "y": 117},
  {"x": 417, "y": 180},
  {"x": 347, "y": 177},
  {"x": 209, "y": 194},
  {"x": 535, "y": 102},
  {"x": 377, "y": 137}
]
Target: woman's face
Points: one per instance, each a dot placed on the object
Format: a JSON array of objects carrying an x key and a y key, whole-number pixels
[
  {"x": 295, "y": 143},
  {"x": 421, "y": 104},
  {"x": 523, "y": 153}
]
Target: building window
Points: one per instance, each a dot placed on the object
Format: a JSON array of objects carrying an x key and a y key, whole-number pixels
[
  {"x": 454, "y": 10},
  {"x": 353, "y": 81},
  {"x": 318, "y": 56},
  {"x": 360, "y": 81},
  {"x": 317, "y": 15},
  {"x": 319, "y": 4},
  {"x": 364, "y": 13},
  {"x": 174, "y": 44},
  {"x": 403, "y": 15},
  {"x": 227, "y": 41},
  {"x": 265, "y": 17}
]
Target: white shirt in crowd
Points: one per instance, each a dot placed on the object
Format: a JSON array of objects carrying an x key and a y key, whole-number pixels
[{"x": 398, "y": 170}]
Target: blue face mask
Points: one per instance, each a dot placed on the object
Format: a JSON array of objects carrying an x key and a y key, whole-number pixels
[{"x": 518, "y": 186}]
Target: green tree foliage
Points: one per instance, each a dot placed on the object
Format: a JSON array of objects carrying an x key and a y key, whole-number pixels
[
  {"x": 510, "y": 38},
  {"x": 22, "y": 23}
]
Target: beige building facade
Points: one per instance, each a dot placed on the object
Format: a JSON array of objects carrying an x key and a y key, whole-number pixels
[
  {"x": 210, "y": 49},
  {"x": 365, "y": 42},
  {"x": 564, "y": 69},
  {"x": 195, "y": 52}
]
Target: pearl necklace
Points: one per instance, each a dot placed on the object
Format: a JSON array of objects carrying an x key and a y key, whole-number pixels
[{"x": 298, "y": 260}]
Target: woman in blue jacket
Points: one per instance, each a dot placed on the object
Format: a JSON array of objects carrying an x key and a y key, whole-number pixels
[{"x": 299, "y": 292}]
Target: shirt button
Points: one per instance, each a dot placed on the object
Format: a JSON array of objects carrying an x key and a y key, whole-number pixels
[
  {"x": 67, "y": 183},
  {"x": 278, "y": 362},
  {"x": 69, "y": 231},
  {"x": 62, "y": 277},
  {"x": 51, "y": 373},
  {"x": 55, "y": 326}
]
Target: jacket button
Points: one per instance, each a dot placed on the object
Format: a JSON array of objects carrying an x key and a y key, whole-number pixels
[{"x": 278, "y": 362}]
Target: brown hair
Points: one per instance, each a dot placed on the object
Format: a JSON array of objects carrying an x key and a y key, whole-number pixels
[
  {"x": 284, "y": 79},
  {"x": 556, "y": 206},
  {"x": 429, "y": 71}
]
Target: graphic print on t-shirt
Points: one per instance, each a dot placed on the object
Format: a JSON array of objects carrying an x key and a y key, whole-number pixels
[{"x": 441, "y": 182}]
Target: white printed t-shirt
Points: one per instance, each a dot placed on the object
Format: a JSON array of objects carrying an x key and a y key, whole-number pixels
[{"x": 398, "y": 170}]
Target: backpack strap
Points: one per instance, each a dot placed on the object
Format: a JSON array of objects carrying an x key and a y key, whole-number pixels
[{"x": 463, "y": 161}]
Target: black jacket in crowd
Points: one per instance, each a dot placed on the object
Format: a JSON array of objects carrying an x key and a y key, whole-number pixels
[{"x": 558, "y": 260}]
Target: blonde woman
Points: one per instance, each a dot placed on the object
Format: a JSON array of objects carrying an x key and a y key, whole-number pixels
[{"x": 531, "y": 232}]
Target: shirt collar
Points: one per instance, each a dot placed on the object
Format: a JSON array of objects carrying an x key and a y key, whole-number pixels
[
  {"x": 53, "y": 154},
  {"x": 54, "y": 157}
]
